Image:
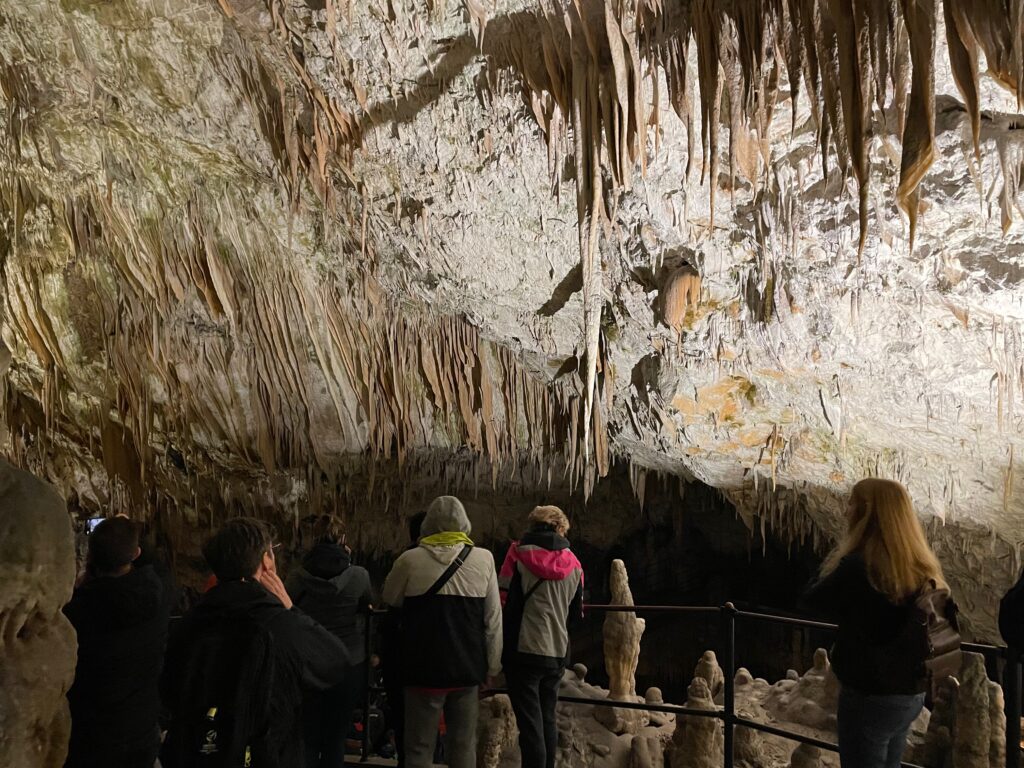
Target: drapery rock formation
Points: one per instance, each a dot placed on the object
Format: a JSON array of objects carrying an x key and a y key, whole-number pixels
[
  {"x": 268, "y": 256},
  {"x": 37, "y": 642}
]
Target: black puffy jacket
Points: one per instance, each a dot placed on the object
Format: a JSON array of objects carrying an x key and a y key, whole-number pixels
[
  {"x": 307, "y": 657},
  {"x": 1011, "y": 616},
  {"x": 121, "y": 623},
  {"x": 332, "y": 591}
]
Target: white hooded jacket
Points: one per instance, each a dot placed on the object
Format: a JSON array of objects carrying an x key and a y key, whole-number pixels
[{"x": 456, "y": 638}]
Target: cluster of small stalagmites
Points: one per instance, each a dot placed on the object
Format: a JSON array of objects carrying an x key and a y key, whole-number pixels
[
  {"x": 811, "y": 699},
  {"x": 966, "y": 730}
]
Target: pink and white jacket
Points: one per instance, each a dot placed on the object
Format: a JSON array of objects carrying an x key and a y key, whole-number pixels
[{"x": 541, "y": 585}]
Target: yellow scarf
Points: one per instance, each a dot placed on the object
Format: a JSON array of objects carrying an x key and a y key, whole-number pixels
[{"x": 447, "y": 539}]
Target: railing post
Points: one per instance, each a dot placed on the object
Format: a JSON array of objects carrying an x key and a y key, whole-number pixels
[
  {"x": 1011, "y": 695},
  {"x": 729, "y": 668},
  {"x": 365, "y": 749}
]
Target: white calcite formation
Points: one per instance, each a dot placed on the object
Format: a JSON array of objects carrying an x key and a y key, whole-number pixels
[
  {"x": 264, "y": 255},
  {"x": 698, "y": 741},
  {"x": 810, "y": 699},
  {"x": 966, "y": 730},
  {"x": 622, "y": 634},
  {"x": 979, "y": 730},
  {"x": 709, "y": 669}
]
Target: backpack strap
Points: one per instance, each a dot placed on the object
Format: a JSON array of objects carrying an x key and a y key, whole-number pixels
[
  {"x": 445, "y": 577},
  {"x": 532, "y": 589}
]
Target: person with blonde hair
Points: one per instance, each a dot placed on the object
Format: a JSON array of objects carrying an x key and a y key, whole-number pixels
[
  {"x": 870, "y": 585},
  {"x": 541, "y": 585}
]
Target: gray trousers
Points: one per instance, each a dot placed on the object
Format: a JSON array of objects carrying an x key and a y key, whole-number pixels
[{"x": 422, "y": 717}]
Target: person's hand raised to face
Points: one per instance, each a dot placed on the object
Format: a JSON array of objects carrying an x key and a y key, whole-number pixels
[{"x": 267, "y": 576}]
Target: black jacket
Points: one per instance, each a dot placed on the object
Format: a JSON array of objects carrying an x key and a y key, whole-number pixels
[
  {"x": 308, "y": 657},
  {"x": 333, "y": 592},
  {"x": 876, "y": 650},
  {"x": 1011, "y": 616},
  {"x": 122, "y": 631}
]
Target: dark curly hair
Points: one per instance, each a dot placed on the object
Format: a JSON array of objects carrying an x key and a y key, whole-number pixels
[
  {"x": 234, "y": 552},
  {"x": 113, "y": 544}
]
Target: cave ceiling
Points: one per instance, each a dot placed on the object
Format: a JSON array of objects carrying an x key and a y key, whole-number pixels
[{"x": 252, "y": 249}]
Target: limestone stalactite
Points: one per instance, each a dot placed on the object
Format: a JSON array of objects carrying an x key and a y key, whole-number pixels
[{"x": 261, "y": 255}]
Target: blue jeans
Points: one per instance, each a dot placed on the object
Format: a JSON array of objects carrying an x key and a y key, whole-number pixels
[{"x": 873, "y": 728}]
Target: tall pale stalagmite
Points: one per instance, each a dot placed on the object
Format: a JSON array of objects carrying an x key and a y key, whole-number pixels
[
  {"x": 973, "y": 724},
  {"x": 37, "y": 643},
  {"x": 622, "y": 633}
]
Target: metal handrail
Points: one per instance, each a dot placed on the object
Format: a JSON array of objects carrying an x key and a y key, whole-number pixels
[{"x": 729, "y": 614}]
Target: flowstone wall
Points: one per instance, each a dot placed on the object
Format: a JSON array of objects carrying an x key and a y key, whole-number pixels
[{"x": 254, "y": 250}]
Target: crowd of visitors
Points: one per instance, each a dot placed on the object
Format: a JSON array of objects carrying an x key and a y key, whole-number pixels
[{"x": 265, "y": 673}]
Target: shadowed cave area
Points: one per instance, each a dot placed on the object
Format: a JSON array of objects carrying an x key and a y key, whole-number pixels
[{"x": 688, "y": 270}]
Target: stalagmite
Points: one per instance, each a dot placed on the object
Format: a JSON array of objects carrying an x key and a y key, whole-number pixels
[
  {"x": 810, "y": 700},
  {"x": 974, "y": 728},
  {"x": 997, "y": 726},
  {"x": 497, "y": 730},
  {"x": 749, "y": 744},
  {"x": 698, "y": 741},
  {"x": 622, "y": 633},
  {"x": 711, "y": 672},
  {"x": 647, "y": 750},
  {"x": 805, "y": 756},
  {"x": 37, "y": 643}
]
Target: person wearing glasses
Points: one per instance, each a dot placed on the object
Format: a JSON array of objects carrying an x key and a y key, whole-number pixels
[{"x": 239, "y": 663}]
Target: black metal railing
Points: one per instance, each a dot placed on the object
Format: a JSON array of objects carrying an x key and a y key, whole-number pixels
[{"x": 730, "y": 616}]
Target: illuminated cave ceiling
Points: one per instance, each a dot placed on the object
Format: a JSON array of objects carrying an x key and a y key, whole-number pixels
[{"x": 249, "y": 244}]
